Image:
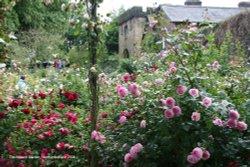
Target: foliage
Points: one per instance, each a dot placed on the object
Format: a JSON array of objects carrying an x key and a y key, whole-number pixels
[
  {"x": 179, "y": 101},
  {"x": 6, "y": 5},
  {"x": 30, "y": 14},
  {"x": 36, "y": 46}
]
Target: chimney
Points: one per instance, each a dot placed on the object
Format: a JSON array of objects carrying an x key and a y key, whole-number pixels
[
  {"x": 244, "y": 4},
  {"x": 193, "y": 3}
]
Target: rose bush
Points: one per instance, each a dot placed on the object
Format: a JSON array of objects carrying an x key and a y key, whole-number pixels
[{"x": 182, "y": 109}]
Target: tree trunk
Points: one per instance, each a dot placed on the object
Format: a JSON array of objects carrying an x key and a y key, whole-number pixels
[{"x": 93, "y": 76}]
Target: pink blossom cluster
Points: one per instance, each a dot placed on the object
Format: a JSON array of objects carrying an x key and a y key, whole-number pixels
[
  {"x": 126, "y": 77},
  {"x": 194, "y": 92},
  {"x": 125, "y": 115},
  {"x": 23, "y": 153},
  {"x": 232, "y": 121},
  {"x": 102, "y": 79},
  {"x": 122, "y": 91},
  {"x": 172, "y": 67},
  {"x": 61, "y": 146},
  {"x": 181, "y": 89},
  {"x": 134, "y": 89},
  {"x": 206, "y": 102},
  {"x": 71, "y": 117},
  {"x": 197, "y": 154},
  {"x": 172, "y": 111},
  {"x": 64, "y": 131},
  {"x": 159, "y": 81},
  {"x": 196, "y": 116},
  {"x": 143, "y": 124},
  {"x": 134, "y": 150},
  {"x": 98, "y": 136}
]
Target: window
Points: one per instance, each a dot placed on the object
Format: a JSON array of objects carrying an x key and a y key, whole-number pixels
[{"x": 126, "y": 31}]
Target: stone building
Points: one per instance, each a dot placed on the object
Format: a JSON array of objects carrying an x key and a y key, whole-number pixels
[
  {"x": 131, "y": 29},
  {"x": 132, "y": 22}
]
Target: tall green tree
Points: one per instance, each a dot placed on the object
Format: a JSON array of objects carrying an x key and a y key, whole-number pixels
[{"x": 32, "y": 14}]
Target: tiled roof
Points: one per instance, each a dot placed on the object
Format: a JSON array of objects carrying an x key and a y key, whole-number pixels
[{"x": 176, "y": 13}]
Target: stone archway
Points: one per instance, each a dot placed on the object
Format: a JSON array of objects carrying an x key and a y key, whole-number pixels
[{"x": 125, "y": 53}]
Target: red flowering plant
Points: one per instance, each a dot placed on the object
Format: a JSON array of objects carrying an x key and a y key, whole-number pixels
[{"x": 40, "y": 129}]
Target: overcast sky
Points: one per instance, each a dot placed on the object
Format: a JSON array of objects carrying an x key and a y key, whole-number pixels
[{"x": 111, "y": 5}]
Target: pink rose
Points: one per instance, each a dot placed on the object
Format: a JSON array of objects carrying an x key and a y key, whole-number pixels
[
  {"x": 217, "y": 122},
  {"x": 135, "y": 149},
  {"x": 145, "y": 83},
  {"x": 64, "y": 131},
  {"x": 125, "y": 77},
  {"x": 233, "y": 114},
  {"x": 26, "y": 124},
  {"x": 60, "y": 146},
  {"x": 197, "y": 152},
  {"x": 170, "y": 102},
  {"x": 61, "y": 105},
  {"x": 181, "y": 89},
  {"x": 172, "y": 69},
  {"x": 194, "y": 92},
  {"x": 93, "y": 134},
  {"x": 192, "y": 159},
  {"x": 159, "y": 81},
  {"x": 143, "y": 124},
  {"x": 232, "y": 123},
  {"x": 122, "y": 120},
  {"x": 241, "y": 126},
  {"x": 169, "y": 113},
  {"x": 205, "y": 155},
  {"x": 206, "y": 102},
  {"x": 133, "y": 88},
  {"x": 122, "y": 92},
  {"x": 196, "y": 116},
  {"x": 177, "y": 111},
  {"x": 85, "y": 148},
  {"x": 128, "y": 158},
  {"x": 118, "y": 88},
  {"x": 66, "y": 156},
  {"x": 165, "y": 74},
  {"x": 172, "y": 64}
]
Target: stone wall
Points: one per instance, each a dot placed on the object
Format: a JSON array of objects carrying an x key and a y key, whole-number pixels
[{"x": 131, "y": 29}]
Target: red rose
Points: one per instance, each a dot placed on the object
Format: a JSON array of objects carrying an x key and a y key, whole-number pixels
[
  {"x": 60, "y": 91},
  {"x": 2, "y": 114},
  {"x": 30, "y": 103},
  {"x": 14, "y": 103},
  {"x": 34, "y": 96},
  {"x": 61, "y": 105},
  {"x": 66, "y": 156},
  {"x": 104, "y": 115},
  {"x": 70, "y": 98},
  {"x": 75, "y": 95},
  {"x": 53, "y": 104},
  {"x": 26, "y": 110},
  {"x": 132, "y": 76},
  {"x": 42, "y": 95},
  {"x": 67, "y": 94}
]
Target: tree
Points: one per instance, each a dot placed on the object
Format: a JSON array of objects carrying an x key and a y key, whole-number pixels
[
  {"x": 5, "y": 6},
  {"x": 31, "y": 14}
]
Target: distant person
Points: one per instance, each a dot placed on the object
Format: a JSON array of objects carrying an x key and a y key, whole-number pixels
[
  {"x": 60, "y": 64},
  {"x": 21, "y": 83},
  {"x": 56, "y": 63}
]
